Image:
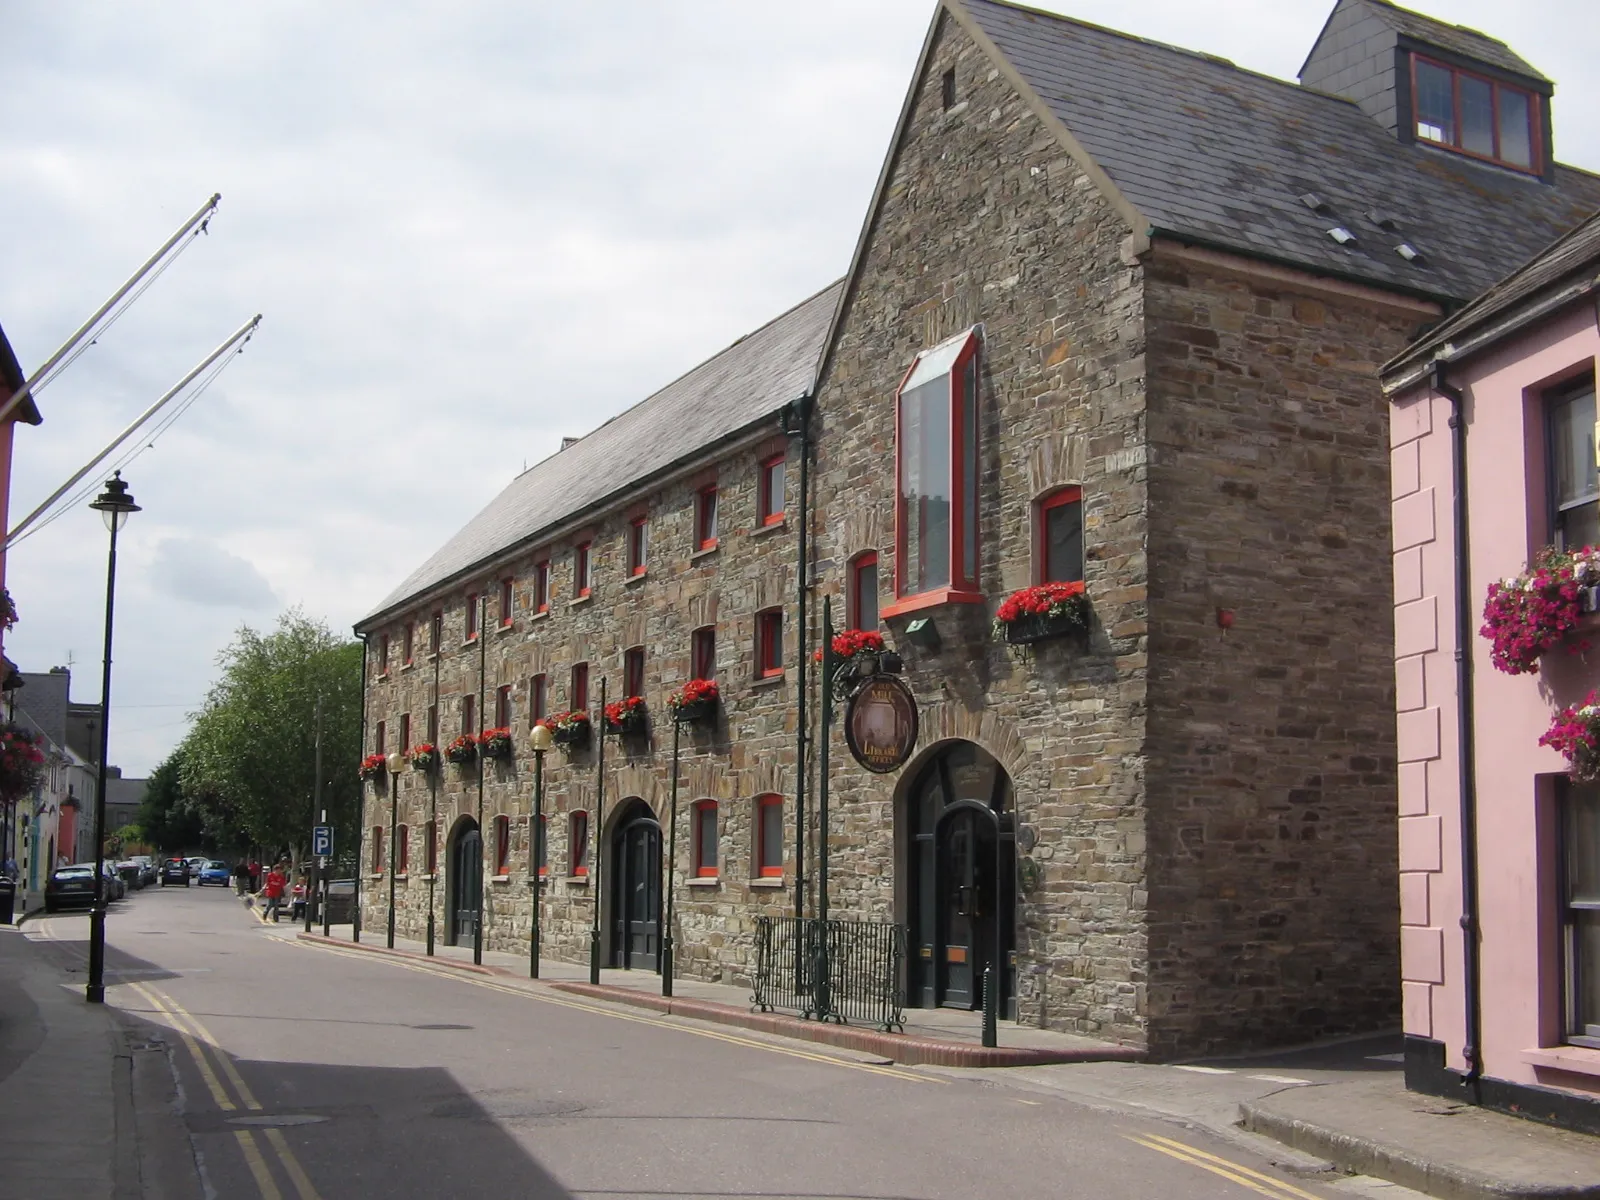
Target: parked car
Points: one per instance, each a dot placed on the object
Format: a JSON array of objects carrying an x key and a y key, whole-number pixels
[
  {"x": 216, "y": 871},
  {"x": 132, "y": 874},
  {"x": 68, "y": 886},
  {"x": 116, "y": 889},
  {"x": 147, "y": 868},
  {"x": 175, "y": 870}
]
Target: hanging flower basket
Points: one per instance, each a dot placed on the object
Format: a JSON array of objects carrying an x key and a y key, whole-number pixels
[
  {"x": 858, "y": 655},
  {"x": 1046, "y": 610},
  {"x": 21, "y": 763},
  {"x": 8, "y": 609},
  {"x": 372, "y": 769},
  {"x": 568, "y": 728},
  {"x": 463, "y": 750},
  {"x": 495, "y": 743},
  {"x": 424, "y": 757},
  {"x": 1576, "y": 733},
  {"x": 694, "y": 701},
  {"x": 1528, "y": 614},
  {"x": 627, "y": 717}
]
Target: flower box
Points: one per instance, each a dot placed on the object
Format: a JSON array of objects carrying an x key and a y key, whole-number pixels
[
  {"x": 372, "y": 769},
  {"x": 695, "y": 701},
  {"x": 495, "y": 743},
  {"x": 1047, "y": 610},
  {"x": 627, "y": 717},
  {"x": 1529, "y": 614},
  {"x": 570, "y": 729},
  {"x": 1024, "y": 631},
  {"x": 463, "y": 750},
  {"x": 424, "y": 758}
]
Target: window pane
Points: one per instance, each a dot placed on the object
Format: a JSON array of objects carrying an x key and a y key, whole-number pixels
[
  {"x": 1435, "y": 109},
  {"x": 774, "y": 488},
  {"x": 706, "y": 838},
  {"x": 1586, "y": 993},
  {"x": 1477, "y": 115},
  {"x": 925, "y": 485},
  {"x": 1583, "y": 845},
  {"x": 771, "y": 835},
  {"x": 969, "y": 471},
  {"x": 1572, "y": 452},
  {"x": 1516, "y": 132},
  {"x": 867, "y": 595},
  {"x": 1063, "y": 542}
]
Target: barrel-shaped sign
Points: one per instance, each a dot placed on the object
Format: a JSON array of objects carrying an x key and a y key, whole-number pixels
[{"x": 880, "y": 725}]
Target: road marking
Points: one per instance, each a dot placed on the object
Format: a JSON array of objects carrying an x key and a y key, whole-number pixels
[
  {"x": 224, "y": 1059},
  {"x": 733, "y": 1039},
  {"x": 1279, "y": 1079},
  {"x": 1256, "y": 1181},
  {"x": 1034, "y": 1103},
  {"x": 1205, "y": 1070},
  {"x": 258, "y": 1167},
  {"x": 217, "y": 1093},
  {"x": 291, "y": 1164}
]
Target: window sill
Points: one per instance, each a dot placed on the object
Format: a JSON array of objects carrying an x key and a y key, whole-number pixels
[
  {"x": 429, "y": 877},
  {"x": 505, "y": 628},
  {"x": 499, "y": 879},
  {"x": 704, "y": 552},
  {"x": 583, "y": 879},
  {"x": 769, "y": 681},
  {"x": 401, "y": 876},
  {"x": 1578, "y": 1059},
  {"x": 933, "y": 599},
  {"x": 374, "y": 874},
  {"x": 542, "y": 615},
  {"x": 580, "y": 601},
  {"x": 778, "y": 526},
  {"x": 703, "y": 881},
  {"x": 471, "y": 641},
  {"x": 404, "y": 667},
  {"x": 636, "y": 579},
  {"x": 772, "y": 882}
]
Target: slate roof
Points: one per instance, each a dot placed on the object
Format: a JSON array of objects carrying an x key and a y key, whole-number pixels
[
  {"x": 1458, "y": 39},
  {"x": 1217, "y": 155},
  {"x": 752, "y": 379}
]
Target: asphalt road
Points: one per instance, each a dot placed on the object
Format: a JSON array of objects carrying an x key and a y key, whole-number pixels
[{"x": 312, "y": 1072}]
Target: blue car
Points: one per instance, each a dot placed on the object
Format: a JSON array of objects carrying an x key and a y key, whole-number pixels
[{"x": 215, "y": 872}]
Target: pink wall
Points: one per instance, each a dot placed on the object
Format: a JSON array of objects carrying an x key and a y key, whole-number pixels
[{"x": 1515, "y": 775}]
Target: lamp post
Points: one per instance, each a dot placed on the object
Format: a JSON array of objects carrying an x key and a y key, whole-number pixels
[
  {"x": 599, "y": 824},
  {"x": 115, "y": 505},
  {"x": 483, "y": 651},
  {"x": 541, "y": 739},
  {"x": 432, "y": 860},
  {"x": 396, "y": 762},
  {"x": 672, "y": 863}
]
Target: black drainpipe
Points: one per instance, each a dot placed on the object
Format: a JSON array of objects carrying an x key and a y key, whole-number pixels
[
  {"x": 1466, "y": 755},
  {"x": 797, "y": 422}
]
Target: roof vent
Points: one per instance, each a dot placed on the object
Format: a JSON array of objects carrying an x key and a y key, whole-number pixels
[
  {"x": 1313, "y": 201},
  {"x": 569, "y": 441},
  {"x": 1341, "y": 235},
  {"x": 1408, "y": 252},
  {"x": 1382, "y": 219}
]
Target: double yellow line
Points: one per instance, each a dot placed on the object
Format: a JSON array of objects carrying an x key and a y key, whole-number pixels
[
  {"x": 1266, "y": 1185},
  {"x": 198, "y": 1041}
]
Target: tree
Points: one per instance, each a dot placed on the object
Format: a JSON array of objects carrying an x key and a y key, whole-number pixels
[
  {"x": 169, "y": 822},
  {"x": 252, "y": 750}
]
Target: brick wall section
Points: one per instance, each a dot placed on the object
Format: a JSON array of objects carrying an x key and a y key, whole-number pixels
[
  {"x": 1273, "y": 911},
  {"x": 987, "y": 219}
]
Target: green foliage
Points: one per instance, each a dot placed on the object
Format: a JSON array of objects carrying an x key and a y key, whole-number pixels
[
  {"x": 167, "y": 818},
  {"x": 250, "y": 757}
]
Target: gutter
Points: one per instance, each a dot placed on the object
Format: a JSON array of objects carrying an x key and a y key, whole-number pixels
[
  {"x": 1465, "y": 752},
  {"x": 801, "y": 411}
]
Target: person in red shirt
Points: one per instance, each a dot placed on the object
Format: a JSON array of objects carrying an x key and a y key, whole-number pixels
[{"x": 273, "y": 890}]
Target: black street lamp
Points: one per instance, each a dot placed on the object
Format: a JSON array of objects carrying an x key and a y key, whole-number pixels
[
  {"x": 599, "y": 824},
  {"x": 115, "y": 504},
  {"x": 540, "y": 739},
  {"x": 396, "y": 762}
]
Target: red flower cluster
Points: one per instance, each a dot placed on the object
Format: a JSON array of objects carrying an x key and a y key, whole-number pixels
[
  {"x": 462, "y": 749},
  {"x": 623, "y": 712},
  {"x": 1576, "y": 733},
  {"x": 566, "y": 720},
  {"x": 495, "y": 743},
  {"x": 21, "y": 763},
  {"x": 1528, "y": 614},
  {"x": 423, "y": 756},
  {"x": 1046, "y": 599},
  {"x": 692, "y": 692},
  {"x": 857, "y": 641},
  {"x": 372, "y": 766}
]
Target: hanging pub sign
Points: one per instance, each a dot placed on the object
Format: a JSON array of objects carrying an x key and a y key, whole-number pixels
[{"x": 880, "y": 724}]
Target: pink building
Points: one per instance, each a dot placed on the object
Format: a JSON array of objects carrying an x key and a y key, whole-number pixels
[{"x": 1496, "y": 837}]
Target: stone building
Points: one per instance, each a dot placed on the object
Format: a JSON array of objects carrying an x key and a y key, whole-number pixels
[{"x": 1115, "y": 315}]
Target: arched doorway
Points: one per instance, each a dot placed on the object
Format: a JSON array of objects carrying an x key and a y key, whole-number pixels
[
  {"x": 464, "y": 895},
  {"x": 961, "y": 878},
  {"x": 635, "y": 873}
]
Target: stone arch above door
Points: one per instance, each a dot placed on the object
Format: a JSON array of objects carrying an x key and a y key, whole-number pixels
[{"x": 947, "y": 722}]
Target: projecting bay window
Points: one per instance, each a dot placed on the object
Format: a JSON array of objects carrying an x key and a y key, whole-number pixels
[
  {"x": 936, "y": 478},
  {"x": 1574, "y": 481},
  {"x": 1580, "y": 917},
  {"x": 1475, "y": 115}
]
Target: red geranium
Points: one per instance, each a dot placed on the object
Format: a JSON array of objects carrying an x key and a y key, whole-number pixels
[
  {"x": 372, "y": 766},
  {"x": 463, "y": 749},
  {"x": 624, "y": 713},
  {"x": 857, "y": 641},
  {"x": 495, "y": 743},
  {"x": 1046, "y": 600},
  {"x": 563, "y": 721},
  {"x": 693, "y": 692}
]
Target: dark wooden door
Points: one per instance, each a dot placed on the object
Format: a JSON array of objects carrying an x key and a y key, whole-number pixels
[
  {"x": 966, "y": 904},
  {"x": 636, "y": 895},
  {"x": 466, "y": 878}
]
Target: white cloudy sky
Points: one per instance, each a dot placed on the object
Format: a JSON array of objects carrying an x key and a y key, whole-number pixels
[{"x": 473, "y": 226}]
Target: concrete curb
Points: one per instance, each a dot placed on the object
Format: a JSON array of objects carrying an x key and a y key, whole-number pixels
[
  {"x": 471, "y": 968},
  {"x": 1369, "y": 1156}
]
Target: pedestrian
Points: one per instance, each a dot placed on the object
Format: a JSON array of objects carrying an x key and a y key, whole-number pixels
[
  {"x": 255, "y": 875},
  {"x": 241, "y": 877},
  {"x": 273, "y": 889}
]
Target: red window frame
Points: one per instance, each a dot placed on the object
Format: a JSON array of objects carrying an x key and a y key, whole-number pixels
[
  {"x": 1534, "y": 166},
  {"x": 383, "y": 655},
  {"x": 580, "y": 570},
  {"x": 633, "y": 671},
  {"x": 538, "y": 698},
  {"x": 771, "y": 506},
  {"x": 638, "y": 536},
  {"x": 965, "y": 555},
  {"x": 703, "y": 653},
  {"x": 541, "y": 849},
  {"x": 508, "y": 601},
  {"x": 433, "y": 725},
  {"x": 541, "y": 585},
  {"x": 1041, "y": 539},
  {"x": 402, "y": 849},
  {"x": 377, "y": 850},
  {"x": 469, "y": 712},
  {"x": 705, "y": 517},
  {"x": 378, "y": 739},
  {"x": 578, "y": 687},
  {"x": 705, "y": 812},
  {"x": 578, "y": 843},
  {"x": 472, "y": 616},
  {"x": 502, "y": 706},
  {"x": 405, "y": 733},
  {"x": 410, "y": 643},
  {"x": 769, "y": 643},
  {"x": 857, "y": 614},
  {"x": 431, "y": 851},
  {"x": 502, "y": 845},
  {"x": 765, "y": 850}
]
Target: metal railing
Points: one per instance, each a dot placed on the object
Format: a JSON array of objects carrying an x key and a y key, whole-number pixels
[{"x": 831, "y": 971}]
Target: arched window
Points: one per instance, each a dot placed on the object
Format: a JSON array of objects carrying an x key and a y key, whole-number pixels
[
  {"x": 578, "y": 844},
  {"x": 1058, "y": 536},
  {"x": 769, "y": 836},
  {"x": 402, "y": 849},
  {"x": 502, "y": 845},
  {"x": 705, "y": 839}
]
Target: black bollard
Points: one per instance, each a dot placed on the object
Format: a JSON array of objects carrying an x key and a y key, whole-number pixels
[{"x": 991, "y": 1036}]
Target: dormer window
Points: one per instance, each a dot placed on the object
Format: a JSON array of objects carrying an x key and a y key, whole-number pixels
[{"x": 1475, "y": 115}]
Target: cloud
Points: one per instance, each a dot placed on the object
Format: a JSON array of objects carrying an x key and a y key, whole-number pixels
[{"x": 199, "y": 571}]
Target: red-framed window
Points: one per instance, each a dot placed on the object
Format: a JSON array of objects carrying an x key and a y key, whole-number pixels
[
  {"x": 405, "y": 733},
  {"x": 379, "y": 740},
  {"x": 577, "y": 843},
  {"x": 541, "y": 586},
  {"x": 580, "y": 570},
  {"x": 1058, "y": 536},
  {"x": 633, "y": 671},
  {"x": 862, "y": 601},
  {"x": 936, "y": 477},
  {"x": 502, "y": 706},
  {"x": 541, "y": 848},
  {"x": 430, "y": 850},
  {"x": 433, "y": 725},
  {"x": 436, "y": 632},
  {"x": 638, "y": 545},
  {"x": 578, "y": 688},
  {"x": 410, "y": 643},
  {"x": 472, "y": 616},
  {"x": 1475, "y": 115},
  {"x": 705, "y": 839},
  {"x": 703, "y": 653},
  {"x": 402, "y": 849},
  {"x": 469, "y": 713},
  {"x": 377, "y": 849},
  {"x": 769, "y": 643},
  {"x": 705, "y": 517},
  {"x": 769, "y": 836},
  {"x": 502, "y": 845},
  {"x": 538, "y": 699},
  {"x": 769, "y": 494},
  {"x": 383, "y": 654},
  {"x": 1574, "y": 487},
  {"x": 508, "y": 602}
]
